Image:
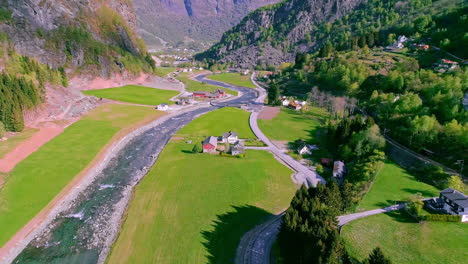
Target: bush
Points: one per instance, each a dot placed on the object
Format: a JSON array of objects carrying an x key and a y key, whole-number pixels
[
  {"x": 443, "y": 218},
  {"x": 197, "y": 148}
]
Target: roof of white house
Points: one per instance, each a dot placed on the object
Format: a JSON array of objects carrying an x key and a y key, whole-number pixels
[{"x": 211, "y": 140}]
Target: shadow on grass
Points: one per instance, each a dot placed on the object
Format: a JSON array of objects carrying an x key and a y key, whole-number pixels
[
  {"x": 401, "y": 216},
  {"x": 227, "y": 230},
  {"x": 422, "y": 192}
]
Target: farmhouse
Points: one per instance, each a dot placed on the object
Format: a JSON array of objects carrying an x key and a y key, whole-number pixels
[
  {"x": 285, "y": 102},
  {"x": 338, "y": 169},
  {"x": 229, "y": 137},
  {"x": 237, "y": 149},
  {"x": 210, "y": 144},
  {"x": 452, "y": 202},
  {"x": 305, "y": 149}
]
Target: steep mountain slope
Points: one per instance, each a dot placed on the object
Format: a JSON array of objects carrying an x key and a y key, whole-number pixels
[
  {"x": 274, "y": 34},
  {"x": 75, "y": 34},
  {"x": 43, "y": 42},
  {"x": 201, "y": 20}
]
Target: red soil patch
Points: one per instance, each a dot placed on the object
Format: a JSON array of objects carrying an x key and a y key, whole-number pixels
[
  {"x": 268, "y": 112},
  {"x": 46, "y": 132}
]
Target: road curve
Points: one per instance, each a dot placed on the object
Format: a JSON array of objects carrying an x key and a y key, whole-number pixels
[
  {"x": 344, "y": 219},
  {"x": 255, "y": 245}
]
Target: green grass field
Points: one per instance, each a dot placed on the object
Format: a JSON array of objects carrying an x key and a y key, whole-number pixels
[
  {"x": 218, "y": 122},
  {"x": 194, "y": 208},
  {"x": 233, "y": 78},
  {"x": 405, "y": 241},
  {"x": 193, "y": 86},
  {"x": 290, "y": 125},
  {"x": 135, "y": 94},
  {"x": 164, "y": 71},
  {"x": 393, "y": 183},
  {"x": 12, "y": 142},
  {"x": 36, "y": 180}
]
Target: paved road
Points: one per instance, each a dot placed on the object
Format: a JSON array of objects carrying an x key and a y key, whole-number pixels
[
  {"x": 344, "y": 219},
  {"x": 255, "y": 245}
]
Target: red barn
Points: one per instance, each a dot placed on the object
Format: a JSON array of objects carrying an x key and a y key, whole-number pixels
[{"x": 210, "y": 144}]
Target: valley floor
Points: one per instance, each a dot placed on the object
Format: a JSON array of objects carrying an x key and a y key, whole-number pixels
[
  {"x": 38, "y": 179},
  {"x": 197, "y": 206}
]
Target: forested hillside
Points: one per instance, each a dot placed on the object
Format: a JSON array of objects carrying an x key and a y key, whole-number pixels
[
  {"x": 275, "y": 34},
  {"x": 41, "y": 42},
  {"x": 415, "y": 94}
]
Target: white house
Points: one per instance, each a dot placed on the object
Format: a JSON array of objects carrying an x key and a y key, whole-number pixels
[
  {"x": 338, "y": 169},
  {"x": 162, "y": 107},
  {"x": 285, "y": 102},
  {"x": 230, "y": 137},
  {"x": 305, "y": 149}
]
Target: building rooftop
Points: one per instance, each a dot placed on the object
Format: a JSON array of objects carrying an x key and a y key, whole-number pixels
[
  {"x": 229, "y": 134},
  {"x": 211, "y": 140},
  {"x": 456, "y": 197}
]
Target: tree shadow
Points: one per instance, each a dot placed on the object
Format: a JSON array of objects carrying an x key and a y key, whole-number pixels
[
  {"x": 188, "y": 151},
  {"x": 422, "y": 192},
  {"x": 402, "y": 216},
  {"x": 222, "y": 239}
]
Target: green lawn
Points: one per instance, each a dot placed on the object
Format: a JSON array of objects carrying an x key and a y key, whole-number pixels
[
  {"x": 233, "y": 78},
  {"x": 218, "y": 122},
  {"x": 135, "y": 94},
  {"x": 194, "y": 208},
  {"x": 394, "y": 183},
  {"x": 193, "y": 86},
  {"x": 290, "y": 125},
  {"x": 12, "y": 142},
  {"x": 35, "y": 181},
  {"x": 163, "y": 71},
  {"x": 405, "y": 241}
]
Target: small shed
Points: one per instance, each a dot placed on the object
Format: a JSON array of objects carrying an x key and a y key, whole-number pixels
[
  {"x": 237, "y": 149},
  {"x": 338, "y": 169}
]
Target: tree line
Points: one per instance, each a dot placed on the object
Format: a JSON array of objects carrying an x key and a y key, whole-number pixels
[{"x": 309, "y": 230}]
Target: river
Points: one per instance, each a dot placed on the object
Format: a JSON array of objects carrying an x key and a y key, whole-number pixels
[{"x": 83, "y": 233}]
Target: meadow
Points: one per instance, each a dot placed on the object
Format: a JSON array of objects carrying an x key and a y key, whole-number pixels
[
  {"x": 290, "y": 125},
  {"x": 35, "y": 181},
  {"x": 394, "y": 184},
  {"x": 194, "y": 208},
  {"x": 218, "y": 122},
  {"x": 194, "y": 86},
  {"x": 164, "y": 71},
  {"x": 233, "y": 78},
  {"x": 405, "y": 241},
  {"x": 135, "y": 94}
]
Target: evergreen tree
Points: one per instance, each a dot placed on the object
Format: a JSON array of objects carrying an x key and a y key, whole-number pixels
[
  {"x": 347, "y": 195},
  {"x": 274, "y": 94},
  {"x": 197, "y": 148},
  {"x": 377, "y": 257}
]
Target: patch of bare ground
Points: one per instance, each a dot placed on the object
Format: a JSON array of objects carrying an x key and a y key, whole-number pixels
[{"x": 269, "y": 112}]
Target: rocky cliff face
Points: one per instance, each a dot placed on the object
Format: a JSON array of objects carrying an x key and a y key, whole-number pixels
[
  {"x": 201, "y": 20},
  {"x": 274, "y": 34},
  {"x": 64, "y": 32}
]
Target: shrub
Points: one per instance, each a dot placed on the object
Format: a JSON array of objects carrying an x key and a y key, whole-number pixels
[
  {"x": 443, "y": 218},
  {"x": 197, "y": 148}
]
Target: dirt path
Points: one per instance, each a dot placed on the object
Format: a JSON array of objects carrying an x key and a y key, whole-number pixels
[
  {"x": 46, "y": 132},
  {"x": 18, "y": 240}
]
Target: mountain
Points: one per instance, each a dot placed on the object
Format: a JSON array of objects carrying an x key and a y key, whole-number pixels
[
  {"x": 92, "y": 35},
  {"x": 45, "y": 42},
  {"x": 273, "y": 34},
  {"x": 200, "y": 20}
]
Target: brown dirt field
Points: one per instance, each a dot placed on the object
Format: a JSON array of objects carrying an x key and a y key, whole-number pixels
[
  {"x": 34, "y": 223},
  {"x": 269, "y": 112}
]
